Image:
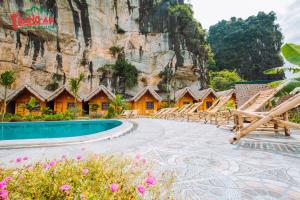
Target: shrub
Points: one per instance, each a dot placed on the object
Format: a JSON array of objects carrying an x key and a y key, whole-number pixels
[
  {"x": 96, "y": 177},
  {"x": 96, "y": 115},
  {"x": 47, "y": 111}
]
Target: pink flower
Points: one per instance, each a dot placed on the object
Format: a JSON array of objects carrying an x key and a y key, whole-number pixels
[
  {"x": 4, "y": 195},
  {"x": 138, "y": 157},
  {"x": 141, "y": 189},
  {"x": 114, "y": 187},
  {"x": 64, "y": 188},
  {"x": 78, "y": 157},
  {"x": 46, "y": 166},
  {"x": 9, "y": 178},
  {"x": 52, "y": 163},
  {"x": 19, "y": 159},
  {"x": 150, "y": 180},
  {"x": 25, "y": 158},
  {"x": 85, "y": 171},
  {"x": 82, "y": 196},
  {"x": 82, "y": 149},
  {"x": 2, "y": 185}
]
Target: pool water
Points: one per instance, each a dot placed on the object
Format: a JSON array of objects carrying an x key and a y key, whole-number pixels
[{"x": 39, "y": 130}]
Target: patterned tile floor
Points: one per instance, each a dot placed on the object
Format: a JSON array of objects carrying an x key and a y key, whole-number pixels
[{"x": 207, "y": 166}]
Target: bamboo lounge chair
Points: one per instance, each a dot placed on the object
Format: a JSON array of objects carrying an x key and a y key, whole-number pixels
[
  {"x": 158, "y": 113},
  {"x": 193, "y": 112},
  {"x": 278, "y": 116},
  {"x": 163, "y": 112},
  {"x": 218, "y": 109},
  {"x": 126, "y": 114},
  {"x": 254, "y": 104},
  {"x": 173, "y": 115},
  {"x": 168, "y": 112}
]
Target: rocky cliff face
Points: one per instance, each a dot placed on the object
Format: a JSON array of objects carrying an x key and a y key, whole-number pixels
[{"x": 83, "y": 33}]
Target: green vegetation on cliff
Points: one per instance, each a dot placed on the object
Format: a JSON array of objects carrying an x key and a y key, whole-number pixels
[{"x": 248, "y": 46}]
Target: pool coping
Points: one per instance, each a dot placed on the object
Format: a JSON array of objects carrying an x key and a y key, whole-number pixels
[{"x": 124, "y": 128}]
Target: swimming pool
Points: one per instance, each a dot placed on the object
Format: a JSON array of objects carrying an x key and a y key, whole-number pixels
[{"x": 64, "y": 129}]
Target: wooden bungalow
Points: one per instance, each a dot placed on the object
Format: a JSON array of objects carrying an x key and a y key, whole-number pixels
[
  {"x": 21, "y": 96},
  {"x": 207, "y": 96},
  {"x": 62, "y": 100},
  {"x": 232, "y": 93},
  {"x": 98, "y": 101},
  {"x": 185, "y": 96},
  {"x": 147, "y": 101}
]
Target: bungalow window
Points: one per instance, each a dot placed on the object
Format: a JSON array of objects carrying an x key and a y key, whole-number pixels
[
  {"x": 186, "y": 103},
  {"x": 105, "y": 105},
  {"x": 208, "y": 104},
  {"x": 71, "y": 105},
  {"x": 150, "y": 105}
]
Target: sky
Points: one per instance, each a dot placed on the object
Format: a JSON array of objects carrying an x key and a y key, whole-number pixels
[{"x": 209, "y": 12}]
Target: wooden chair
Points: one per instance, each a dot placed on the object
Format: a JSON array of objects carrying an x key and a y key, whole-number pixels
[
  {"x": 179, "y": 111},
  {"x": 193, "y": 113},
  {"x": 168, "y": 112},
  {"x": 254, "y": 104},
  {"x": 126, "y": 114},
  {"x": 218, "y": 110},
  {"x": 277, "y": 116}
]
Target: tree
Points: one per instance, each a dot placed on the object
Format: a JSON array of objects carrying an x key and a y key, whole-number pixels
[
  {"x": 291, "y": 52},
  {"x": 116, "y": 107},
  {"x": 31, "y": 105},
  {"x": 248, "y": 46},
  {"x": 6, "y": 80},
  {"x": 223, "y": 80},
  {"x": 124, "y": 74},
  {"x": 74, "y": 84}
]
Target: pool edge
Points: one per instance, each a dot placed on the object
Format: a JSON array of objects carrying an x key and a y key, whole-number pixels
[{"x": 125, "y": 128}]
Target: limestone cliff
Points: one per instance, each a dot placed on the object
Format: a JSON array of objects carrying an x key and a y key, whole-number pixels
[{"x": 83, "y": 33}]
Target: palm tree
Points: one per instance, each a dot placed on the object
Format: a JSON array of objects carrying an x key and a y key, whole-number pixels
[
  {"x": 6, "y": 80},
  {"x": 31, "y": 105},
  {"x": 74, "y": 84},
  {"x": 116, "y": 107},
  {"x": 291, "y": 52}
]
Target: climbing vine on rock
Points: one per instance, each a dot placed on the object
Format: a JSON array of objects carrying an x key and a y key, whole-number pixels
[{"x": 185, "y": 33}]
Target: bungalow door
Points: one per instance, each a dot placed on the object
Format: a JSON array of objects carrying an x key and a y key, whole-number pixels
[{"x": 59, "y": 107}]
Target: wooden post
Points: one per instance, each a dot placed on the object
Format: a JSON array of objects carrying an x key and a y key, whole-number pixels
[{"x": 286, "y": 128}]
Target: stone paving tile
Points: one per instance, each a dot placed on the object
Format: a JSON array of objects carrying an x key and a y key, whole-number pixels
[{"x": 206, "y": 165}]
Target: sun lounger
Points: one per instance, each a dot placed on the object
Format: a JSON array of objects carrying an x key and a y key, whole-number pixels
[
  {"x": 126, "y": 114},
  {"x": 277, "y": 116}
]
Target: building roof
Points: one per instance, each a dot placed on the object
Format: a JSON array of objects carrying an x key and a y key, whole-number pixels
[
  {"x": 180, "y": 93},
  {"x": 226, "y": 92},
  {"x": 144, "y": 91},
  {"x": 62, "y": 89},
  {"x": 101, "y": 88},
  {"x": 245, "y": 91},
  {"x": 40, "y": 93},
  {"x": 202, "y": 94}
]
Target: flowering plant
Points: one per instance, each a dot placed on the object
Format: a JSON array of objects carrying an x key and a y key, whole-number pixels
[{"x": 92, "y": 177}]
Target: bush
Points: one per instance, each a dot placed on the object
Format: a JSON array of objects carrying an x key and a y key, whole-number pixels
[
  {"x": 97, "y": 177},
  {"x": 95, "y": 115}
]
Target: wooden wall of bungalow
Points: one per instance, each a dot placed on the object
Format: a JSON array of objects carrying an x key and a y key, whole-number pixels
[
  {"x": 20, "y": 97},
  {"x": 208, "y": 101},
  {"x": 232, "y": 93},
  {"x": 187, "y": 98},
  {"x": 146, "y": 102},
  {"x": 62, "y": 100},
  {"x": 98, "y": 101}
]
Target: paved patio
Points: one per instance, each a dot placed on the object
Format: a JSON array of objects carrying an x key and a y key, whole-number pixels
[{"x": 207, "y": 166}]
